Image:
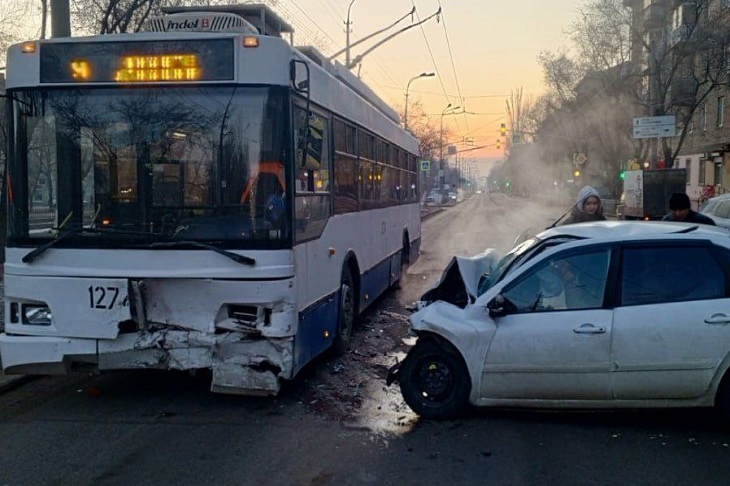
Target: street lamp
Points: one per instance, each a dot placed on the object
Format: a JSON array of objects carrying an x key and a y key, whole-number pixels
[
  {"x": 422, "y": 75},
  {"x": 347, "y": 32}
]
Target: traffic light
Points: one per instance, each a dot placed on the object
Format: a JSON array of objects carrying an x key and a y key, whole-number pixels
[
  {"x": 499, "y": 144},
  {"x": 503, "y": 129},
  {"x": 576, "y": 173},
  {"x": 622, "y": 175}
]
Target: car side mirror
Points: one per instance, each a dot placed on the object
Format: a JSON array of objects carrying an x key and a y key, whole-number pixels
[{"x": 496, "y": 306}]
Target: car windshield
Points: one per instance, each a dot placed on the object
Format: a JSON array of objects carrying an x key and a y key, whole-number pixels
[
  {"x": 520, "y": 254},
  {"x": 167, "y": 163},
  {"x": 506, "y": 262}
]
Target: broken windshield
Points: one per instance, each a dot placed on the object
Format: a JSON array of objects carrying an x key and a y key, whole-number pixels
[{"x": 190, "y": 163}]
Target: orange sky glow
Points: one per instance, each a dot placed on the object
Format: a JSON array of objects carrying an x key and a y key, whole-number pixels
[{"x": 481, "y": 51}]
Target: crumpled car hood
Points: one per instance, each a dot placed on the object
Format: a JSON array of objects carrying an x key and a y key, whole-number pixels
[{"x": 459, "y": 282}]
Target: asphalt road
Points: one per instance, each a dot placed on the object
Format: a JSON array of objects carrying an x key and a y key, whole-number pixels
[{"x": 338, "y": 423}]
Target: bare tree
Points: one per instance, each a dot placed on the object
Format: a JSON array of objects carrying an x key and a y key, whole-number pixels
[
  {"x": 12, "y": 16},
  {"x": 120, "y": 16},
  {"x": 426, "y": 130},
  {"x": 628, "y": 66}
]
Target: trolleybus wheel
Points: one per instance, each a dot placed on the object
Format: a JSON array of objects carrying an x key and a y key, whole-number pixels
[{"x": 346, "y": 314}]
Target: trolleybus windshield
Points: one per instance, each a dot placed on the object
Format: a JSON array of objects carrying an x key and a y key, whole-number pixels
[{"x": 169, "y": 163}]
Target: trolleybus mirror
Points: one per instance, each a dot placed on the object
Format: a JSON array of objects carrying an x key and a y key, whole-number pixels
[{"x": 299, "y": 78}]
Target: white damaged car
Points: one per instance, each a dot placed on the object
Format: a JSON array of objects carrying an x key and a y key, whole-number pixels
[{"x": 596, "y": 315}]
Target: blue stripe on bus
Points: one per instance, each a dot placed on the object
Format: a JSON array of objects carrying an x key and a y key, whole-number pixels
[
  {"x": 310, "y": 340},
  {"x": 321, "y": 317}
]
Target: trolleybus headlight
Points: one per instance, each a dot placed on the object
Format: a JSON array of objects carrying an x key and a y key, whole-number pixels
[{"x": 37, "y": 315}]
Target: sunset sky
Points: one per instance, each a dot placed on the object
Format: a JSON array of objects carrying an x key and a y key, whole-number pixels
[
  {"x": 494, "y": 47},
  {"x": 481, "y": 51}
]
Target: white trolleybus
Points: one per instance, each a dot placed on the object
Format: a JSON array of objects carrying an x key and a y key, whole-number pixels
[{"x": 200, "y": 195}]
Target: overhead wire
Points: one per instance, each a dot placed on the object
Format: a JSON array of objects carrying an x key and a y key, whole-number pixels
[
  {"x": 453, "y": 65},
  {"x": 314, "y": 37},
  {"x": 373, "y": 79},
  {"x": 451, "y": 95},
  {"x": 329, "y": 10},
  {"x": 430, "y": 52}
]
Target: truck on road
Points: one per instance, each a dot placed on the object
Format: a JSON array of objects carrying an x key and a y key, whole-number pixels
[{"x": 646, "y": 192}]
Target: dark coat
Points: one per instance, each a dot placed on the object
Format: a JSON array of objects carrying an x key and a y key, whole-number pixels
[{"x": 692, "y": 217}]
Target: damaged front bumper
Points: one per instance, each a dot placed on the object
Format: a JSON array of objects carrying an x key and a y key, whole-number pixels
[
  {"x": 242, "y": 331},
  {"x": 240, "y": 364}
]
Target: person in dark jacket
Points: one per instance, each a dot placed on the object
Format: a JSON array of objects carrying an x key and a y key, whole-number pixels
[
  {"x": 681, "y": 211},
  {"x": 588, "y": 207}
]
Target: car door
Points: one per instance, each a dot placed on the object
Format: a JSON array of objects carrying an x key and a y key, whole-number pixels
[
  {"x": 672, "y": 324},
  {"x": 553, "y": 341}
]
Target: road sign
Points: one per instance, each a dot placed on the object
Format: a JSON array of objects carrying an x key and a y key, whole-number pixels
[
  {"x": 655, "y": 126},
  {"x": 580, "y": 158},
  {"x": 425, "y": 165},
  {"x": 516, "y": 139}
]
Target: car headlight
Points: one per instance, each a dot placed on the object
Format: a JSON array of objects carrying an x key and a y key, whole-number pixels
[{"x": 37, "y": 315}]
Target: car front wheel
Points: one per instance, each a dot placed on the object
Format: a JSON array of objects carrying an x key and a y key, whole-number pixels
[{"x": 434, "y": 381}]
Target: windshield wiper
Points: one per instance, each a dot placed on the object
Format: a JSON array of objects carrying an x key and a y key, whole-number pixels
[
  {"x": 28, "y": 258},
  {"x": 33, "y": 255},
  {"x": 75, "y": 231},
  {"x": 243, "y": 260}
]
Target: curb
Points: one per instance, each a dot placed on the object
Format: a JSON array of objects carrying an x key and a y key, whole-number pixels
[
  {"x": 428, "y": 215},
  {"x": 8, "y": 383}
]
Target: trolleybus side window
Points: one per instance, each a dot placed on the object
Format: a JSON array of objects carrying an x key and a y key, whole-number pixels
[
  {"x": 367, "y": 170},
  {"x": 345, "y": 168},
  {"x": 312, "y": 206}
]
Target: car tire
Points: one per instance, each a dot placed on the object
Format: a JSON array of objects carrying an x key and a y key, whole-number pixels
[
  {"x": 434, "y": 381},
  {"x": 722, "y": 400},
  {"x": 405, "y": 259},
  {"x": 346, "y": 314}
]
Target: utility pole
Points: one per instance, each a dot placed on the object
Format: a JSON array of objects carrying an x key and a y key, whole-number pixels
[
  {"x": 441, "y": 147},
  {"x": 60, "y": 18},
  {"x": 349, "y": 46},
  {"x": 347, "y": 35}
]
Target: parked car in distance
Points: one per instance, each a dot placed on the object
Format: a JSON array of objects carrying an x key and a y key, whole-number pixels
[
  {"x": 433, "y": 198},
  {"x": 718, "y": 209},
  {"x": 610, "y": 314}
]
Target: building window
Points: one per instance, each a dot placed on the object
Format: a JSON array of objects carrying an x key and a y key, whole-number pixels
[
  {"x": 703, "y": 117},
  {"x": 701, "y": 174},
  {"x": 718, "y": 172},
  {"x": 720, "y": 111},
  {"x": 688, "y": 168}
]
